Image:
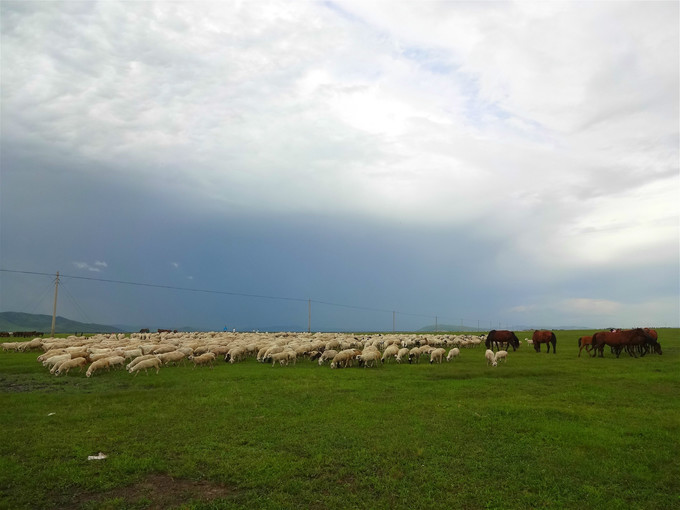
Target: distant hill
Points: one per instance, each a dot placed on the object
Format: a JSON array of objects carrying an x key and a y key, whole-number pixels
[
  {"x": 445, "y": 327},
  {"x": 17, "y": 321}
]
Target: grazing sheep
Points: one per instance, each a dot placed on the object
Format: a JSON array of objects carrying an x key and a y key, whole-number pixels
[
  {"x": 401, "y": 353},
  {"x": 453, "y": 353},
  {"x": 437, "y": 355},
  {"x": 490, "y": 357},
  {"x": 283, "y": 357},
  {"x": 97, "y": 365},
  {"x": 327, "y": 355},
  {"x": 414, "y": 355},
  {"x": 72, "y": 363},
  {"x": 344, "y": 358},
  {"x": 501, "y": 355},
  {"x": 369, "y": 356},
  {"x": 390, "y": 351},
  {"x": 146, "y": 364},
  {"x": 206, "y": 358}
]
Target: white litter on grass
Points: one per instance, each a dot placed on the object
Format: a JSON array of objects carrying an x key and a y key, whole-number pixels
[
  {"x": 97, "y": 457},
  {"x": 51, "y": 414}
]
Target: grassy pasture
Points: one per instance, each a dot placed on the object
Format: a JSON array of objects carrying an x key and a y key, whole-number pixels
[{"x": 540, "y": 431}]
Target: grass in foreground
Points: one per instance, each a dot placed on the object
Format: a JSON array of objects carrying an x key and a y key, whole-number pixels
[{"x": 541, "y": 431}]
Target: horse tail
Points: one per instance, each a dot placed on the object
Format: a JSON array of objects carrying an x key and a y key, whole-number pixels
[{"x": 579, "y": 341}]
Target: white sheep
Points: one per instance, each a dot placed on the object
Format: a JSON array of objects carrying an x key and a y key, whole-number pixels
[
  {"x": 146, "y": 364},
  {"x": 453, "y": 353},
  {"x": 72, "y": 363},
  {"x": 437, "y": 355},
  {"x": 171, "y": 357},
  {"x": 97, "y": 365},
  {"x": 414, "y": 355},
  {"x": 490, "y": 357},
  {"x": 390, "y": 351},
  {"x": 137, "y": 360},
  {"x": 283, "y": 358},
  {"x": 116, "y": 360},
  {"x": 369, "y": 357},
  {"x": 401, "y": 354},
  {"x": 327, "y": 355},
  {"x": 206, "y": 358},
  {"x": 501, "y": 355}
]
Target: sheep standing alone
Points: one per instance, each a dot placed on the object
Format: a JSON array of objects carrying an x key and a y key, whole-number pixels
[{"x": 490, "y": 358}]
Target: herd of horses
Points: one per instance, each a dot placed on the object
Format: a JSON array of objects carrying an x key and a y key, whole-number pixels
[{"x": 636, "y": 342}]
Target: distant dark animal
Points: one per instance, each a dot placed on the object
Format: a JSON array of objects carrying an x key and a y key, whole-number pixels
[
  {"x": 585, "y": 342},
  {"x": 165, "y": 331},
  {"x": 496, "y": 337},
  {"x": 544, "y": 336},
  {"x": 627, "y": 339},
  {"x": 144, "y": 330}
]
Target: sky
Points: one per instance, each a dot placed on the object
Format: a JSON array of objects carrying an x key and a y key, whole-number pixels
[{"x": 348, "y": 165}]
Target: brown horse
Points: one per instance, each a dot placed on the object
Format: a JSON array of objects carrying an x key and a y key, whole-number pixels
[
  {"x": 623, "y": 339},
  {"x": 587, "y": 342},
  {"x": 544, "y": 337},
  {"x": 501, "y": 336}
]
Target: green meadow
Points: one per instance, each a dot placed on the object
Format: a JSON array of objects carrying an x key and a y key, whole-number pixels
[{"x": 539, "y": 431}]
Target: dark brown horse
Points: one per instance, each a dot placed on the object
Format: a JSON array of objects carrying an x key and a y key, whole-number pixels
[
  {"x": 544, "y": 337},
  {"x": 585, "y": 341},
  {"x": 501, "y": 336},
  {"x": 623, "y": 339}
]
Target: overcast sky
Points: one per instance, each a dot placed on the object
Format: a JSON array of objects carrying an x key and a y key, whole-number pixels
[{"x": 495, "y": 164}]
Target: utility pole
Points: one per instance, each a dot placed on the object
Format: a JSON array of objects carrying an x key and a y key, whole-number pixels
[
  {"x": 309, "y": 315},
  {"x": 54, "y": 310},
  {"x": 436, "y": 327},
  {"x": 393, "y": 319}
]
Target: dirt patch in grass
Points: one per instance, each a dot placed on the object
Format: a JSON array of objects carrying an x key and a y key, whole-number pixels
[{"x": 157, "y": 492}]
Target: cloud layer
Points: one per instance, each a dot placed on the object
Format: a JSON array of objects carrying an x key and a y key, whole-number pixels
[{"x": 542, "y": 136}]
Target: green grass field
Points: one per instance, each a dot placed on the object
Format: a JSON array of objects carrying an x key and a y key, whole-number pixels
[{"x": 540, "y": 431}]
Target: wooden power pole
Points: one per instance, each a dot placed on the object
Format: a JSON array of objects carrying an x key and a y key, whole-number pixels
[{"x": 54, "y": 310}]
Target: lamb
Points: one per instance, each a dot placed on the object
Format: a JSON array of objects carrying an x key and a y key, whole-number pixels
[
  {"x": 501, "y": 355},
  {"x": 437, "y": 355},
  {"x": 97, "y": 365},
  {"x": 72, "y": 363},
  {"x": 490, "y": 358},
  {"x": 453, "y": 353},
  {"x": 146, "y": 364},
  {"x": 204, "y": 359}
]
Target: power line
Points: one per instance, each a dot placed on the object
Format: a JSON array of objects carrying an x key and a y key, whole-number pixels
[{"x": 224, "y": 292}]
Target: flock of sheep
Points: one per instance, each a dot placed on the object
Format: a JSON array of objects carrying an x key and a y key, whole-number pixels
[{"x": 144, "y": 351}]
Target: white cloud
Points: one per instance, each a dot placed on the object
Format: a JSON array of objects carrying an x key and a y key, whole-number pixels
[{"x": 96, "y": 267}]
